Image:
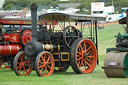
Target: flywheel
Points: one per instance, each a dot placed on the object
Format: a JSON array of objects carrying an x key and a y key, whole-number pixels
[{"x": 25, "y": 36}]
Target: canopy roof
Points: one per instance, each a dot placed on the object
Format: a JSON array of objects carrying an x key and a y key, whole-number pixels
[{"x": 71, "y": 17}]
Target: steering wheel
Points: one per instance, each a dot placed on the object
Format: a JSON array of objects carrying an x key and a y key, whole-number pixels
[{"x": 70, "y": 34}]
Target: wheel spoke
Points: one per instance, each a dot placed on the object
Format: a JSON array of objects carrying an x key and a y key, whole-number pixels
[
  {"x": 90, "y": 56},
  {"x": 89, "y": 48},
  {"x": 79, "y": 59},
  {"x": 45, "y": 71},
  {"x": 41, "y": 66},
  {"x": 18, "y": 63},
  {"x": 49, "y": 67},
  {"x": 20, "y": 58},
  {"x": 84, "y": 46},
  {"x": 24, "y": 70},
  {"x": 88, "y": 64},
  {"x": 43, "y": 58},
  {"x": 49, "y": 62},
  {"x": 79, "y": 53},
  {"x": 85, "y": 65},
  {"x": 48, "y": 59},
  {"x": 19, "y": 69},
  {"x": 88, "y": 52},
  {"x": 41, "y": 62},
  {"x": 69, "y": 42},
  {"x": 81, "y": 47},
  {"x": 41, "y": 70},
  {"x": 78, "y": 63},
  {"x": 81, "y": 63},
  {"x": 88, "y": 60},
  {"x": 78, "y": 56}
]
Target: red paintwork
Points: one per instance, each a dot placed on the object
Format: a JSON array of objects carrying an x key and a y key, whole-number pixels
[
  {"x": 8, "y": 50},
  {"x": 23, "y": 22},
  {"x": 12, "y": 37}
]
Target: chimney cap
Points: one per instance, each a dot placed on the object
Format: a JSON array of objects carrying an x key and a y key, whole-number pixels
[{"x": 33, "y": 6}]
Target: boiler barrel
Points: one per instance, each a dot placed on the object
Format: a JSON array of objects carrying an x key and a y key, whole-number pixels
[
  {"x": 4, "y": 37},
  {"x": 8, "y": 50}
]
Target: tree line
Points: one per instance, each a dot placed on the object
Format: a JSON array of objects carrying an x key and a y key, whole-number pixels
[{"x": 43, "y": 4}]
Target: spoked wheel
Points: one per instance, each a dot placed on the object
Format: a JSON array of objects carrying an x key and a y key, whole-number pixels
[
  {"x": 83, "y": 56},
  {"x": 26, "y": 36},
  {"x": 22, "y": 64},
  {"x": 70, "y": 34},
  {"x": 44, "y": 64},
  {"x": 116, "y": 64}
]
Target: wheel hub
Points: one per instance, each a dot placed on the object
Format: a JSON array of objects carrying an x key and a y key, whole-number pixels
[
  {"x": 46, "y": 64},
  {"x": 84, "y": 55},
  {"x": 22, "y": 64}
]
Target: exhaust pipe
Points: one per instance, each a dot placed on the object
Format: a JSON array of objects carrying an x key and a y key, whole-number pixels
[
  {"x": 33, "y": 8},
  {"x": 33, "y": 47}
]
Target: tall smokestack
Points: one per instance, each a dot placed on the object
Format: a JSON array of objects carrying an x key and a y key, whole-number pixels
[
  {"x": 2, "y": 3},
  {"x": 33, "y": 8}
]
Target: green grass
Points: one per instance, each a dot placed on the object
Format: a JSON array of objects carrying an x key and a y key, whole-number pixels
[{"x": 106, "y": 39}]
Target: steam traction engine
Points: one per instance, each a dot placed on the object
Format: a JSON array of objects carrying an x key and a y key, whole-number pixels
[
  {"x": 14, "y": 34},
  {"x": 50, "y": 48},
  {"x": 116, "y": 60}
]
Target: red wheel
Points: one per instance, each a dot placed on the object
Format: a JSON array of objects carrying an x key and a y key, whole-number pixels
[
  {"x": 26, "y": 36},
  {"x": 44, "y": 64},
  {"x": 22, "y": 64},
  {"x": 83, "y": 56}
]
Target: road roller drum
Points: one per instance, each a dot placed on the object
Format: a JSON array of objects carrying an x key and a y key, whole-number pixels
[{"x": 116, "y": 64}]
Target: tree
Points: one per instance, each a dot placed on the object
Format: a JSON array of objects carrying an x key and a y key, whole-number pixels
[{"x": 10, "y": 6}]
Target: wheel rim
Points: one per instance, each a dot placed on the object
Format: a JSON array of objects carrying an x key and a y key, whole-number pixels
[
  {"x": 46, "y": 64},
  {"x": 23, "y": 66},
  {"x": 86, "y": 56}
]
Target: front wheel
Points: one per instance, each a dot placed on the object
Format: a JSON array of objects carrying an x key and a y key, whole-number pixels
[
  {"x": 22, "y": 64},
  {"x": 44, "y": 64},
  {"x": 83, "y": 56}
]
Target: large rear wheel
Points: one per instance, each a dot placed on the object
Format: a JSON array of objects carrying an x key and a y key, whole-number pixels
[
  {"x": 22, "y": 64},
  {"x": 83, "y": 56},
  {"x": 44, "y": 64}
]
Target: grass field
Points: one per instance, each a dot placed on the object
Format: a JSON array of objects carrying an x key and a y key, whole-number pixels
[{"x": 106, "y": 39}]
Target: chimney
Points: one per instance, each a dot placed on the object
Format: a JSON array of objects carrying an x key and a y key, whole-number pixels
[{"x": 33, "y": 8}]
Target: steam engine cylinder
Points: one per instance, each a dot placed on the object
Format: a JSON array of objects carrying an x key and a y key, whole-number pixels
[
  {"x": 32, "y": 48},
  {"x": 8, "y": 50}
]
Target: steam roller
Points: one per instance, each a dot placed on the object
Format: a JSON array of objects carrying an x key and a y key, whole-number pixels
[
  {"x": 116, "y": 60},
  {"x": 116, "y": 64}
]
